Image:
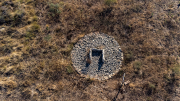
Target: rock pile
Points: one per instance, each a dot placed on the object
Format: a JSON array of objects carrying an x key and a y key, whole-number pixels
[{"x": 97, "y": 56}]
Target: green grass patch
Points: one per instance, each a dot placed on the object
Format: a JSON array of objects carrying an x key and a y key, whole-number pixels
[
  {"x": 69, "y": 69},
  {"x": 109, "y": 2},
  {"x": 152, "y": 86},
  {"x": 34, "y": 29},
  {"x": 54, "y": 9},
  {"x": 47, "y": 38},
  {"x": 137, "y": 65},
  {"x": 176, "y": 69}
]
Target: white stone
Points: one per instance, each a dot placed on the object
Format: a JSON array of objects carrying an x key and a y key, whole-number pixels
[{"x": 2, "y": 29}]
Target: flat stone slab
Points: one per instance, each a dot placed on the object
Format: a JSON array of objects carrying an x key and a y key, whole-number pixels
[{"x": 97, "y": 56}]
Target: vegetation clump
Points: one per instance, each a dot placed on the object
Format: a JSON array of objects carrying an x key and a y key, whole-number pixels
[
  {"x": 176, "y": 69},
  {"x": 54, "y": 10},
  {"x": 109, "y": 2}
]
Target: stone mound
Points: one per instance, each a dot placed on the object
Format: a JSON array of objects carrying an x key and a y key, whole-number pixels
[{"x": 97, "y": 56}]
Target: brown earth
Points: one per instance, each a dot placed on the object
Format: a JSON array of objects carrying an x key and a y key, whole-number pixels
[{"x": 37, "y": 36}]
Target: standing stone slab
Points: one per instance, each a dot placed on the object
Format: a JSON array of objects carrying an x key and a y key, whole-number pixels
[{"x": 97, "y": 56}]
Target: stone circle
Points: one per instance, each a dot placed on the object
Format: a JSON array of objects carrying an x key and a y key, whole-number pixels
[{"x": 97, "y": 56}]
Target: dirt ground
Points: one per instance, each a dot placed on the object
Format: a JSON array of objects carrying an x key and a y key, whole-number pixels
[{"x": 37, "y": 36}]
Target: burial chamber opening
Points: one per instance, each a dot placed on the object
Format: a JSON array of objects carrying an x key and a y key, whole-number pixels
[{"x": 97, "y": 57}]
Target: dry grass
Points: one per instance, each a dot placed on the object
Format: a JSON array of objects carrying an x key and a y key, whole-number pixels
[{"x": 36, "y": 38}]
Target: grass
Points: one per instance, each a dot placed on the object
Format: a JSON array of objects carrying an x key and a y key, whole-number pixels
[
  {"x": 137, "y": 65},
  {"x": 43, "y": 33},
  {"x": 109, "y": 2},
  {"x": 67, "y": 50},
  {"x": 48, "y": 37},
  {"x": 152, "y": 86},
  {"x": 176, "y": 69},
  {"x": 69, "y": 69},
  {"x": 54, "y": 10},
  {"x": 34, "y": 29},
  {"x": 128, "y": 56},
  {"x": 2, "y": 19},
  {"x": 34, "y": 18}
]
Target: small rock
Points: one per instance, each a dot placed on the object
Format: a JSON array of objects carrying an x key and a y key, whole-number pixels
[
  {"x": 127, "y": 82},
  {"x": 2, "y": 29}
]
